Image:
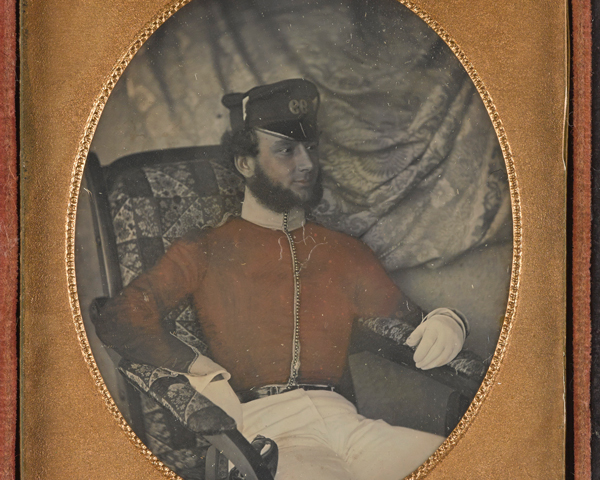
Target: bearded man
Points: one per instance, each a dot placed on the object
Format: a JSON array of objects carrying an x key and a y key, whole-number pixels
[{"x": 277, "y": 296}]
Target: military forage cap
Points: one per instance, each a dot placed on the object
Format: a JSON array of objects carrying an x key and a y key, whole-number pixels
[{"x": 288, "y": 108}]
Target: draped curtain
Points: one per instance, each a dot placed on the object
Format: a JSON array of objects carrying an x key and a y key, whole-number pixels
[{"x": 411, "y": 162}]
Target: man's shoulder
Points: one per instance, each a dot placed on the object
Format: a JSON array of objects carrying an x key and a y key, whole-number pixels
[
  {"x": 340, "y": 240},
  {"x": 200, "y": 234},
  {"x": 204, "y": 236}
]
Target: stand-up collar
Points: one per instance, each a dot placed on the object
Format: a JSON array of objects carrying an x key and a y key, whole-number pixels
[{"x": 255, "y": 212}]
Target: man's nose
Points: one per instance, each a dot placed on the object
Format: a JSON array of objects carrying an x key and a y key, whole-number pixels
[{"x": 304, "y": 162}]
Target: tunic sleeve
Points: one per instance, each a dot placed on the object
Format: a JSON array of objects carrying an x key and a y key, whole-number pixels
[
  {"x": 378, "y": 296},
  {"x": 131, "y": 323}
]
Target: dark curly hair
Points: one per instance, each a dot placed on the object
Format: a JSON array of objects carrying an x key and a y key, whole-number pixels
[{"x": 241, "y": 143}]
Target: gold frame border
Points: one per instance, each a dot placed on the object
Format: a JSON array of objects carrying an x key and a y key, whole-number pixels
[{"x": 75, "y": 184}]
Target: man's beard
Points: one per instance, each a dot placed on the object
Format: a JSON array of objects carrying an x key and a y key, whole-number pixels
[{"x": 280, "y": 199}]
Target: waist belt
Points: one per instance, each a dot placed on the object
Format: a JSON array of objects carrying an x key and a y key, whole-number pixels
[{"x": 267, "y": 390}]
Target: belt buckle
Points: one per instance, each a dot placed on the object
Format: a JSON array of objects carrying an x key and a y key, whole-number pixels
[
  {"x": 314, "y": 386},
  {"x": 276, "y": 389},
  {"x": 270, "y": 390}
]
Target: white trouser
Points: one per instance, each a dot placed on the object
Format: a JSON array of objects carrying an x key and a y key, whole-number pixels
[{"x": 321, "y": 437}]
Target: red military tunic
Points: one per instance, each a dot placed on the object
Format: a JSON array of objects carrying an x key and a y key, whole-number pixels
[{"x": 240, "y": 277}]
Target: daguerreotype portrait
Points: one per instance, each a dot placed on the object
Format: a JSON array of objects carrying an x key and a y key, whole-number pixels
[{"x": 294, "y": 241}]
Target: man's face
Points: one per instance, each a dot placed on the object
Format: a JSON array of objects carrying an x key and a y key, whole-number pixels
[{"x": 286, "y": 173}]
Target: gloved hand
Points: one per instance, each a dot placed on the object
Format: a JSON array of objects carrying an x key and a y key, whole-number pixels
[{"x": 439, "y": 338}]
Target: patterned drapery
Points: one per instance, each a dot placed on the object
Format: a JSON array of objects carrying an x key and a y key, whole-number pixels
[{"x": 411, "y": 161}]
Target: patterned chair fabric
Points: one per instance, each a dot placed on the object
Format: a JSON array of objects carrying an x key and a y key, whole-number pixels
[{"x": 152, "y": 206}]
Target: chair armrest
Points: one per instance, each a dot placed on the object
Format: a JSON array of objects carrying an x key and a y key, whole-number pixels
[
  {"x": 174, "y": 392},
  {"x": 386, "y": 337},
  {"x": 243, "y": 455},
  {"x": 198, "y": 414}
]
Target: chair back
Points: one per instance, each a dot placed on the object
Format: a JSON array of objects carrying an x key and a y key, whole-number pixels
[
  {"x": 141, "y": 204},
  {"x": 148, "y": 200}
]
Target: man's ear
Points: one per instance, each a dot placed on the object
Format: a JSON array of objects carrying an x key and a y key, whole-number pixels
[{"x": 245, "y": 165}]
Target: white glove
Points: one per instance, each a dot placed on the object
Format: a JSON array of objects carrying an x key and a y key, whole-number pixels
[{"x": 440, "y": 338}]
